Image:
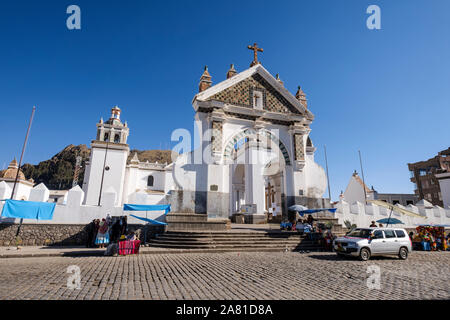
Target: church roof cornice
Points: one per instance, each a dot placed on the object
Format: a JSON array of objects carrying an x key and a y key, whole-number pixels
[{"x": 208, "y": 93}]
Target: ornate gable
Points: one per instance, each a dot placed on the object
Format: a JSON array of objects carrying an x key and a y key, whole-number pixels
[{"x": 241, "y": 94}]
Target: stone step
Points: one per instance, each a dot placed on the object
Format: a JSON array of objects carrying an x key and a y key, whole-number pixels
[
  {"x": 226, "y": 236},
  {"x": 258, "y": 242},
  {"x": 245, "y": 249},
  {"x": 181, "y": 226},
  {"x": 186, "y": 217},
  {"x": 239, "y": 246},
  {"x": 232, "y": 233},
  {"x": 255, "y": 239}
]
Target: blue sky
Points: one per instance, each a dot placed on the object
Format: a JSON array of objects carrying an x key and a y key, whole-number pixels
[{"x": 385, "y": 92}]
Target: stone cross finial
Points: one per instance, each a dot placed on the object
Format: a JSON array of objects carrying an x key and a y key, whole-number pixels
[{"x": 255, "y": 54}]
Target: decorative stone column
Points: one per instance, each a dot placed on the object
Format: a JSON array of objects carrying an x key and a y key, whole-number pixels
[
  {"x": 217, "y": 118},
  {"x": 254, "y": 180},
  {"x": 298, "y": 132}
]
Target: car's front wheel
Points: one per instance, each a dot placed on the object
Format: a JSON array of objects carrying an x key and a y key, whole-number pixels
[
  {"x": 403, "y": 253},
  {"x": 364, "y": 254}
]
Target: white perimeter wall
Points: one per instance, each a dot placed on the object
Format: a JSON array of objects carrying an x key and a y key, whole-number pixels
[
  {"x": 73, "y": 212},
  {"x": 362, "y": 215}
]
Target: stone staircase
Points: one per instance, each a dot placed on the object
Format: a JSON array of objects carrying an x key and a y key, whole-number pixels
[
  {"x": 195, "y": 231},
  {"x": 236, "y": 241},
  {"x": 183, "y": 222}
]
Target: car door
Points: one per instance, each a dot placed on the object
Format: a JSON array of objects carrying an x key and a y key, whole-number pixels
[
  {"x": 377, "y": 242},
  {"x": 392, "y": 243},
  {"x": 403, "y": 239}
]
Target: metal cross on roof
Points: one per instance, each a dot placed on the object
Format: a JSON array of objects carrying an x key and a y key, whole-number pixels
[{"x": 255, "y": 54}]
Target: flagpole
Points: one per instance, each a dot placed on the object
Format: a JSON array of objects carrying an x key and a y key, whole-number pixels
[
  {"x": 364, "y": 183},
  {"x": 328, "y": 177},
  {"x": 389, "y": 219},
  {"x": 20, "y": 164}
]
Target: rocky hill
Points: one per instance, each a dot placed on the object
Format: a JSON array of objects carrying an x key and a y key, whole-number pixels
[
  {"x": 57, "y": 172},
  {"x": 160, "y": 156}
]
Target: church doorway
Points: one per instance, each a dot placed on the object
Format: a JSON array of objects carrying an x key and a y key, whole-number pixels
[
  {"x": 274, "y": 189},
  {"x": 238, "y": 188},
  {"x": 257, "y": 179}
]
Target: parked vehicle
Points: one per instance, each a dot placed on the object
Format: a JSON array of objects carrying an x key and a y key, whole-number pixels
[{"x": 367, "y": 242}]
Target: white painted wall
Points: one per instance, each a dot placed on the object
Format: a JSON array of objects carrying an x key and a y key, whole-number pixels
[
  {"x": 362, "y": 215},
  {"x": 75, "y": 213},
  {"x": 355, "y": 192},
  {"x": 115, "y": 177},
  {"x": 22, "y": 190}
]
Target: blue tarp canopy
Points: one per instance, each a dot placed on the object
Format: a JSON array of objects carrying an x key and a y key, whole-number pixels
[
  {"x": 144, "y": 207},
  {"x": 309, "y": 211},
  {"x": 149, "y": 220},
  {"x": 390, "y": 221},
  {"x": 28, "y": 210}
]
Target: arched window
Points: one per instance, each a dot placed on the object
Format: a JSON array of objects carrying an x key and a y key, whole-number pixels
[
  {"x": 106, "y": 136},
  {"x": 117, "y": 138},
  {"x": 150, "y": 181}
]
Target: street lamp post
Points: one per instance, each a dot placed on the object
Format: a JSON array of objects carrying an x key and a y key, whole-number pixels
[{"x": 103, "y": 174}]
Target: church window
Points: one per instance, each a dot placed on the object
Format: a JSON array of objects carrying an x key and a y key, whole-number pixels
[
  {"x": 117, "y": 138},
  {"x": 150, "y": 181},
  {"x": 257, "y": 100},
  {"x": 106, "y": 136}
]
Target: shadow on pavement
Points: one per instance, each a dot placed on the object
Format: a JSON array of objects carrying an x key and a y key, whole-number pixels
[
  {"x": 84, "y": 253},
  {"x": 335, "y": 257}
]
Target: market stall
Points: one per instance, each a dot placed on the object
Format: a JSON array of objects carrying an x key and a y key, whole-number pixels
[{"x": 430, "y": 238}]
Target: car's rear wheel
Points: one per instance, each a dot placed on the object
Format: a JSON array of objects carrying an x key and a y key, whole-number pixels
[
  {"x": 364, "y": 254},
  {"x": 403, "y": 253}
]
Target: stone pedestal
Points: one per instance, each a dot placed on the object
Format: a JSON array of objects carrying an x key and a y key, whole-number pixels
[{"x": 238, "y": 218}]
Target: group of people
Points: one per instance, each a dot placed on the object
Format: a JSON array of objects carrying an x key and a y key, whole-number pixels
[
  {"x": 430, "y": 238},
  {"x": 314, "y": 231},
  {"x": 102, "y": 232},
  {"x": 305, "y": 225},
  {"x": 301, "y": 225},
  {"x": 373, "y": 225}
]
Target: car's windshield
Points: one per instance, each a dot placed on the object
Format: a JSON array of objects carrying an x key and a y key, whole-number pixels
[{"x": 360, "y": 233}]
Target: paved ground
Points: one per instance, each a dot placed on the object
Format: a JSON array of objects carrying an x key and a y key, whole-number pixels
[{"x": 425, "y": 275}]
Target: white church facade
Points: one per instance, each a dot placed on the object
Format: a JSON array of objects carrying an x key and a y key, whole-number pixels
[
  {"x": 255, "y": 154},
  {"x": 255, "y": 157}
]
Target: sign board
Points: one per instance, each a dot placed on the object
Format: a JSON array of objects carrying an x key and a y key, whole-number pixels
[{"x": 248, "y": 208}]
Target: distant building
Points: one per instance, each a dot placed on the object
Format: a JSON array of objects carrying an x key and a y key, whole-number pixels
[
  {"x": 7, "y": 180},
  {"x": 397, "y": 198},
  {"x": 355, "y": 192},
  {"x": 58, "y": 196},
  {"x": 428, "y": 176}
]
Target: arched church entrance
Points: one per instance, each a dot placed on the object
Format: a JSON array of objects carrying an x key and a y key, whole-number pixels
[
  {"x": 257, "y": 169},
  {"x": 238, "y": 188},
  {"x": 274, "y": 173}
]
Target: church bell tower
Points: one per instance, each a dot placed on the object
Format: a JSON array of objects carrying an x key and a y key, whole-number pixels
[{"x": 107, "y": 162}]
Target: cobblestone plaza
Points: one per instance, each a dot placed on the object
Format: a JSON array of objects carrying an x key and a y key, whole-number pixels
[{"x": 217, "y": 276}]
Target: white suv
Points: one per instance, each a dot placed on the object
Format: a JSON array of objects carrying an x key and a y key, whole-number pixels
[{"x": 367, "y": 242}]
